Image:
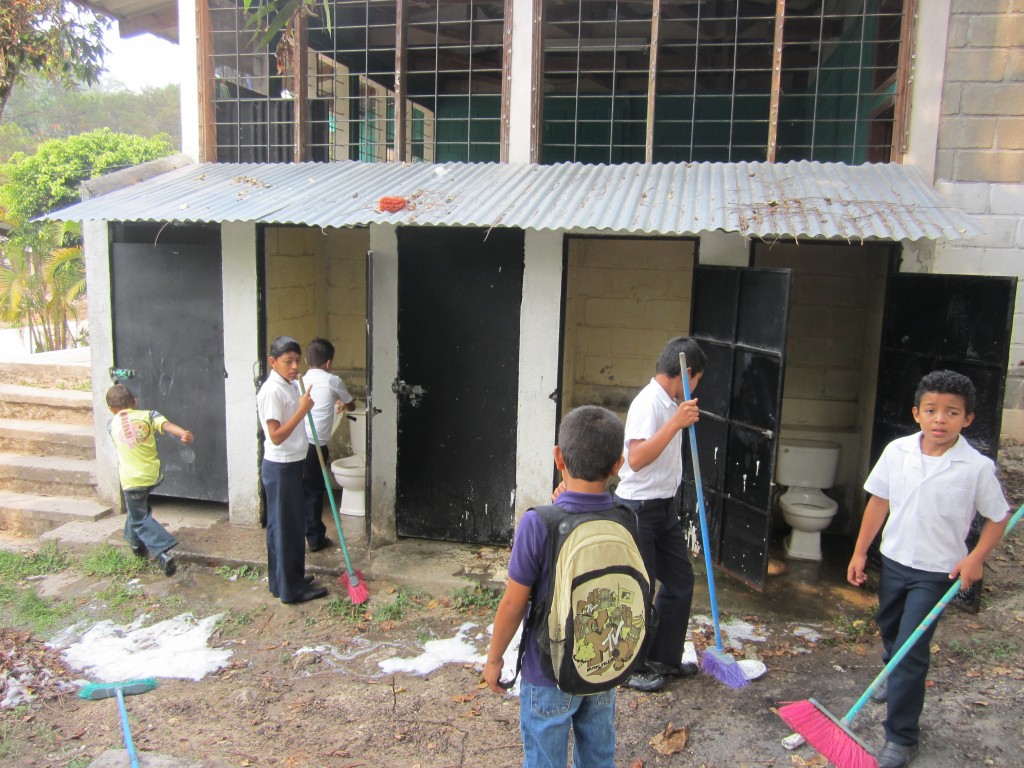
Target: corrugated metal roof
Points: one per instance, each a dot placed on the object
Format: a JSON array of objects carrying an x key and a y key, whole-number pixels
[{"x": 797, "y": 199}]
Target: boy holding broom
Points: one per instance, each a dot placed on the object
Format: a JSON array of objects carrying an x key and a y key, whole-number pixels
[{"x": 930, "y": 484}]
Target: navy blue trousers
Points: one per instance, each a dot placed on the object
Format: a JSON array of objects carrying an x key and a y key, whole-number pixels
[
  {"x": 905, "y": 597},
  {"x": 667, "y": 560},
  {"x": 315, "y": 490},
  {"x": 286, "y": 522}
]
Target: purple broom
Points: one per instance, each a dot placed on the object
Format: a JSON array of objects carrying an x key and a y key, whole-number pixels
[{"x": 715, "y": 661}]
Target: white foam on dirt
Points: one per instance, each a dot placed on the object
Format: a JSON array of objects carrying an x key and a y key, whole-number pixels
[
  {"x": 176, "y": 648},
  {"x": 436, "y": 653}
]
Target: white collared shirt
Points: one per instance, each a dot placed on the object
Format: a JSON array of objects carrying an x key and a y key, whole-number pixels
[
  {"x": 932, "y": 503},
  {"x": 650, "y": 411},
  {"x": 326, "y": 389},
  {"x": 278, "y": 399}
]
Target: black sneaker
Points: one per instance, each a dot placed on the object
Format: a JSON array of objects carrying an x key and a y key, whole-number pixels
[
  {"x": 647, "y": 682},
  {"x": 166, "y": 563},
  {"x": 682, "y": 669},
  {"x": 324, "y": 544},
  {"x": 895, "y": 755}
]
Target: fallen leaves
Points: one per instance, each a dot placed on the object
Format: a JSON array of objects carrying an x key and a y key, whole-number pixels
[
  {"x": 671, "y": 740},
  {"x": 818, "y": 761}
]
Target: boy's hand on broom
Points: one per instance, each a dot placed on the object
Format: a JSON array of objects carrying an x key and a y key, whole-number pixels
[
  {"x": 969, "y": 570},
  {"x": 306, "y": 402}
]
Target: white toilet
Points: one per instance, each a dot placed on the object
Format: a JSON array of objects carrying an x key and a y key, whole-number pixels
[
  {"x": 806, "y": 467},
  {"x": 350, "y": 472}
]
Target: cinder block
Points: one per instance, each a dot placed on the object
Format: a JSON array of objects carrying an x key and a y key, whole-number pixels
[
  {"x": 821, "y": 353},
  {"x": 975, "y": 132},
  {"x": 1015, "y": 65},
  {"x": 977, "y": 64},
  {"x": 828, "y": 322},
  {"x": 843, "y": 384},
  {"x": 610, "y": 313},
  {"x": 945, "y": 163},
  {"x": 823, "y": 414},
  {"x": 952, "y": 95},
  {"x": 990, "y": 166},
  {"x": 1019, "y": 242},
  {"x": 957, "y": 259},
  {"x": 838, "y": 291},
  {"x": 974, "y": 7},
  {"x": 997, "y": 232},
  {"x": 590, "y": 281},
  {"x": 666, "y": 314},
  {"x": 804, "y": 382},
  {"x": 1009, "y": 133},
  {"x": 296, "y": 240},
  {"x": 992, "y": 99},
  {"x": 1003, "y": 261},
  {"x": 959, "y": 28},
  {"x": 998, "y": 30},
  {"x": 973, "y": 198}
]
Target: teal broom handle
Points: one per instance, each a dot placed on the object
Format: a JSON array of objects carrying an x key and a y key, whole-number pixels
[
  {"x": 705, "y": 537},
  {"x": 126, "y": 732},
  {"x": 945, "y": 600}
]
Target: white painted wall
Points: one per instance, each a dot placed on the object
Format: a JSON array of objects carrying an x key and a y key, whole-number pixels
[
  {"x": 520, "y": 86},
  {"x": 384, "y": 322},
  {"x": 539, "y": 357},
  {"x": 189, "y": 94},
  {"x": 101, "y": 349},
  {"x": 241, "y": 351}
]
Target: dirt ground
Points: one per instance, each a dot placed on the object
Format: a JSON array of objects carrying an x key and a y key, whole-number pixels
[{"x": 334, "y": 707}]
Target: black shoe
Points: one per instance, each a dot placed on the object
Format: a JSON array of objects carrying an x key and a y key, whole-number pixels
[
  {"x": 139, "y": 550},
  {"x": 881, "y": 693},
  {"x": 306, "y": 581},
  {"x": 166, "y": 562},
  {"x": 682, "y": 669},
  {"x": 323, "y": 544},
  {"x": 312, "y": 593},
  {"x": 896, "y": 755},
  {"x": 647, "y": 682}
]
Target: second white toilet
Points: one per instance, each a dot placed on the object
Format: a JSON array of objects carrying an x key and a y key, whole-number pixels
[
  {"x": 350, "y": 471},
  {"x": 807, "y": 467}
]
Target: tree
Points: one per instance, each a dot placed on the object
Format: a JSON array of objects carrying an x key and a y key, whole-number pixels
[{"x": 52, "y": 37}]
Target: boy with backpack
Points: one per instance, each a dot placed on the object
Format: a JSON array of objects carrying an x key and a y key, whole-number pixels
[{"x": 577, "y": 576}]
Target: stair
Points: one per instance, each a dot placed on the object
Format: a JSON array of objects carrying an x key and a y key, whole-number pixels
[{"x": 47, "y": 447}]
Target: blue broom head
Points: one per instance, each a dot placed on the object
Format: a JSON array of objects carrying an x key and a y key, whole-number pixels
[
  {"x": 723, "y": 667},
  {"x": 109, "y": 690}
]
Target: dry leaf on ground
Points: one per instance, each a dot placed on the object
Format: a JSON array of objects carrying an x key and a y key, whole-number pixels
[{"x": 671, "y": 740}]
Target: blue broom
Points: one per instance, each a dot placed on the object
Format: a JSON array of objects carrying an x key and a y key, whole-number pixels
[
  {"x": 714, "y": 661},
  {"x": 96, "y": 691}
]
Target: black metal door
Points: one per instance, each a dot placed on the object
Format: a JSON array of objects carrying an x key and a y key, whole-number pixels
[
  {"x": 740, "y": 317},
  {"x": 459, "y": 296},
  {"x": 956, "y": 322},
  {"x": 168, "y": 331}
]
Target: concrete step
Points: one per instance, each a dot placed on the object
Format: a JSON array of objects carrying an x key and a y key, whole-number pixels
[
  {"x": 28, "y": 514},
  {"x": 48, "y": 475},
  {"x": 66, "y": 406},
  {"x": 63, "y": 369},
  {"x": 45, "y": 438}
]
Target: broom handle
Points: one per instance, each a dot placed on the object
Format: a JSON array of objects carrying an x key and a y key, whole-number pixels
[
  {"x": 353, "y": 578},
  {"x": 126, "y": 732},
  {"x": 916, "y": 635},
  {"x": 705, "y": 537}
]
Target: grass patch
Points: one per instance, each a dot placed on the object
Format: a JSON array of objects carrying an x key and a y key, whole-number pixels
[
  {"x": 250, "y": 572},
  {"x": 994, "y": 650},
  {"x": 342, "y": 608},
  {"x": 115, "y": 562},
  {"x": 39, "y": 614},
  {"x": 852, "y": 629},
  {"x": 397, "y": 608},
  {"x": 477, "y": 598},
  {"x": 15, "y": 566},
  {"x": 121, "y": 599}
]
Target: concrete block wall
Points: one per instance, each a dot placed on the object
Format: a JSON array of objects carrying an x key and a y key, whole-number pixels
[
  {"x": 980, "y": 159},
  {"x": 625, "y": 299},
  {"x": 343, "y": 252},
  {"x": 291, "y": 282}
]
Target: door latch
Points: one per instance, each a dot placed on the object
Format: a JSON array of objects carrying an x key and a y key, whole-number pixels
[
  {"x": 410, "y": 392},
  {"x": 118, "y": 375}
]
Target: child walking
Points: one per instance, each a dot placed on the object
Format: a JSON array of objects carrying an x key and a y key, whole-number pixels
[
  {"x": 138, "y": 466},
  {"x": 331, "y": 397},
  {"x": 929, "y": 484},
  {"x": 589, "y": 451},
  {"x": 281, "y": 412}
]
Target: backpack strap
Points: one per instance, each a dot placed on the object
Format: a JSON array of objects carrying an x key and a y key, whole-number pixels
[{"x": 552, "y": 515}]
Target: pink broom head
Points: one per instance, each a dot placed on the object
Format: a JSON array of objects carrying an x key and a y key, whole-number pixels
[
  {"x": 723, "y": 667},
  {"x": 357, "y": 593},
  {"x": 829, "y": 736}
]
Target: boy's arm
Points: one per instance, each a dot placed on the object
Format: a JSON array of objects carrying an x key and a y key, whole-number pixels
[
  {"x": 874, "y": 517},
  {"x": 509, "y": 616},
  {"x": 278, "y": 432},
  {"x": 182, "y": 434},
  {"x": 644, "y": 452},
  {"x": 972, "y": 567}
]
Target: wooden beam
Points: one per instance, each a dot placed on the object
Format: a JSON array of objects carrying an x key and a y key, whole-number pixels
[
  {"x": 652, "y": 80},
  {"x": 207, "y": 84},
  {"x": 401, "y": 152},
  {"x": 537, "y": 82},
  {"x": 773, "y": 109},
  {"x": 300, "y": 86},
  {"x": 904, "y": 73},
  {"x": 506, "y": 83}
]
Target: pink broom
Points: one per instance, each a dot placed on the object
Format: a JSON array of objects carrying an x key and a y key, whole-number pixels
[{"x": 834, "y": 737}]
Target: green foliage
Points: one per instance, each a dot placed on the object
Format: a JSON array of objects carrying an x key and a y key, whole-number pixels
[
  {"x": 397, "y": 608},
  {"x": 343, "y": 608},
  {"x": 118, "y": 562},
  {"x": 268, "y": 18},
  {"x": 50, "y": 178},
  {"x": 38, "y": 613},
  {"x": 476, "y": 597},
  {"x": 15, "y": 566},
  {"x": 994, "y": 649},
  {"x": 250, "y": 572}
]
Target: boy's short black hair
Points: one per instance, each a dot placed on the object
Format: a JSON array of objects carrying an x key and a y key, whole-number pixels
[
  {"x": 668, "y": 361},
  {"x": 283, "y": 345},
  {"x": 591, "y": 439},
  {"x": 318, "y": 352},
  {"x": 947, "y": 383},
  {"x": 120, "y": 397}
]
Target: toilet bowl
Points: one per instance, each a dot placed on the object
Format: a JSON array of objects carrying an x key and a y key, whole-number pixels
[
  {"x": 350, "y": 471},
  {"x": 806, "y": 467}
]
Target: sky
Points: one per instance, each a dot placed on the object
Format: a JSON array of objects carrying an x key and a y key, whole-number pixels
[{"x": 141, "y": 61}]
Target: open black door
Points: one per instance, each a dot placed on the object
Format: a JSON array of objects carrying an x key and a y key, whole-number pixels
[
  {"x": 169, "y": 345},
  {"x": 370, "y": 410},
  {"x": 459, "y": 297},
  {"x": 740, "y": 318},
  {"x": 956, "y": 322}
]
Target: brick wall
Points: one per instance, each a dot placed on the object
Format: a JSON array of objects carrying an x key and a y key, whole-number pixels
[{"x": 980, "y": 158}]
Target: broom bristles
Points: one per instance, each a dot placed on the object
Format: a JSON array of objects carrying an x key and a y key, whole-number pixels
[
  {"x": 357, "y": 593},
  {"x": 723, "y": 667},
  {"x": 109, "y": 690},
  {"x": 827, "y": 735}
]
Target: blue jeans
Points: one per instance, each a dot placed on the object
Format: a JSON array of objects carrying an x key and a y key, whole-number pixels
[
  {"x": 546, "y": 715},
  {"x": 667, "y": 560},
  {"x": 905, "y": 597},
  {"x": 139, "y": 525}
]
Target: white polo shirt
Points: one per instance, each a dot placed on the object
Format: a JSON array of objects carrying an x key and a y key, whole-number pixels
[
  {"x": 278, "y": 399},
  {"x": 932, "y": 501},
  {"x": 327, "y": 389},
  {"x": 650, "y": 411}
]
